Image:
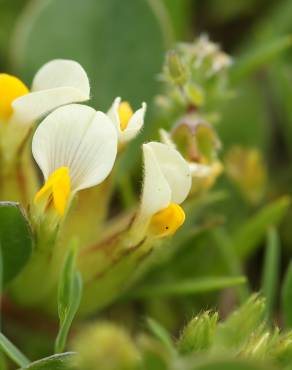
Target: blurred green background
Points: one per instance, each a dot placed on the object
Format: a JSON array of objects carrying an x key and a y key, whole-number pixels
[{"x": 121, "y": 44}]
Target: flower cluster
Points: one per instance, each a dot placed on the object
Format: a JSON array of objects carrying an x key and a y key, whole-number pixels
[
  {"x": 77, "y": 148},
  {"x": 78, "y": 151}
]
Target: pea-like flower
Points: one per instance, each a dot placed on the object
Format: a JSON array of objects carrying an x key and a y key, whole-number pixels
[
  {"x": 167, "y": 182},
  {"x": 127, "y": 122},
  {"x": 57, "y": 83},
  {"x": 75, "y": 148}
]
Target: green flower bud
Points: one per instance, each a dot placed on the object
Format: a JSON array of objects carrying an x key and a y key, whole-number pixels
[
  {"x": 260, "y": 345},
  {"x": 196, "y": 139},
  {"x": 195, "y": 94},
  {"x": 199, "y": 333},
  {"x": 105, "y": 346},
  {"x": 282, "y": 351},
  {"x": 235, "y": 331},
  {"x": 175, "y": 68}
]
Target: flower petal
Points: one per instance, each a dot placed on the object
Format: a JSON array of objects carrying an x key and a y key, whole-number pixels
[
  {"x": 156, "y": 193},
  {"x": 32, "y": 106},
  {"x": 62, "y": 73},
  {"x": 113, "y": 114},
  {"x": 135, "y": 124},
  {"x": 77, "y": 137},
  {"x": 175, "y": 169}
]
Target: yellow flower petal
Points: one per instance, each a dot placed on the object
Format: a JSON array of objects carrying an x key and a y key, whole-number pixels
[
  {"x": 10, "y": 89},
  {"x": 125, "y": 113},
  {"x": 57, "y": 188},
  {"x": 167, "y": 221}
]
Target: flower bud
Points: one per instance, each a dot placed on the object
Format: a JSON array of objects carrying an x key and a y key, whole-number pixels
[
  {"x": 195, "y": 94},
  {"x": 235, "y": 331},
  {"x": 199, "y": 332},
  {"x": 105, "y": 346},
  {"x": 175, "y": 68},
  {"x": 196, "y": 139}
]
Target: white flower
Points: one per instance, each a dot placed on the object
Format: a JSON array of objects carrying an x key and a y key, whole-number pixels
[
  {"x": 75, "y": 147},
  {"x": 127, "y": 123},
  {"x": 167, "y": 182},
  {"x": 57, "y": 83}
]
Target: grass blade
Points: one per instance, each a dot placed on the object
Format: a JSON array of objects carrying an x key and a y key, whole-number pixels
[
  {"x": 270, "y": 276},
  {"x": 287, "y": 297},
  {"x": 251, "y": 62},
  {"x": 12, "y": 352},
  {"x": 69, "y": 297},
  {"x": 249, "y": 235},
  {"x": 188, "y": 287},
  {"x": 160, "y": 333}
]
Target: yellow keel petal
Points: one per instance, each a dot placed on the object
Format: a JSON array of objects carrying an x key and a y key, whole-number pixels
[
  {"x": 10, "y": 89},
  {"x": 167, "y": 221},
  {"x": 57, "y": 187}
]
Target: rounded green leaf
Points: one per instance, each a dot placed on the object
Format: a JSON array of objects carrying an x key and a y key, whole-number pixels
[
  {"x": 15, "y": 239},
  {"x": 62, "y": 361},
  {"x": 119, "y": 43}
]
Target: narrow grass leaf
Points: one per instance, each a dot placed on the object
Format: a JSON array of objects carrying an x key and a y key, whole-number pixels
[
  {"x": 188, "y": 287},
  {"x": 160, "y": 333},
  {"x": 270, "y": 276},
  {"x": 258, "y": 57},
  {"x": 247, "y": 239},
  {"x": 287, "y": 297},
  {"x": 12, "y": 352},
  {"x": 70, "y": 292}
]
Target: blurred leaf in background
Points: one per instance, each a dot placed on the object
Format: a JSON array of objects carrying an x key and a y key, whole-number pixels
[
  {"x": 8, "y": 15},
  {"x": 119, "y": 43}
]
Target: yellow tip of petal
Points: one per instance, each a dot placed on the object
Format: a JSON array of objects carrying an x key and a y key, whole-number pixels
[
  {"x": 125, "y": 113},
  {"x": 56, "y": 188},
  {"x": 167, "y": 221},
  {"x": 10, "y": 89}
]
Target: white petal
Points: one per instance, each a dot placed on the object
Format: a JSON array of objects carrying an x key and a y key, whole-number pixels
[
  {"x": 175, "y": 169},
  {"x": 30, "y": 107},
  {"x": 78, "y": 137},
  {"x": 113, "y": 114},
  {"x": 62, "y": 73},
  {"x": 135, "y": 124},
  {"x": 156, "y": 193}
]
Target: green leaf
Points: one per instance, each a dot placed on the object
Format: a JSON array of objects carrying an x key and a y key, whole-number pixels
[
  {"x": 69, "y": 297},
  {"x": 287, "y": 297},
  {"x": 15, "y": 239},
  {"x": 228, "y": 365},
  {"x": 271, "y": 270},
  {"x": 120, "y": 44},
  {"x": 188, "y": 287},
  {"x": 63, "y": 361},
  {"x": 258, "y": 57},
  {"x": 12, "y": 352},
  {"x": 161, "y": 333},
  {"x": 249, "y": 235},
  {"x": 181, "y": 13}
]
